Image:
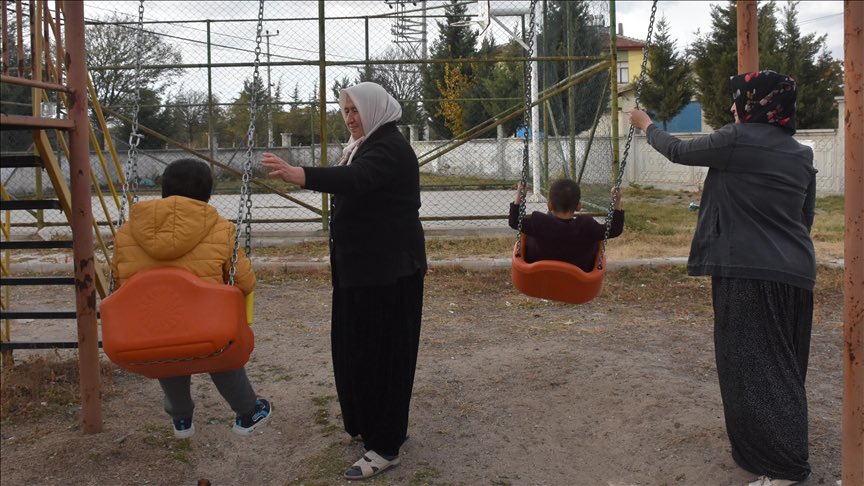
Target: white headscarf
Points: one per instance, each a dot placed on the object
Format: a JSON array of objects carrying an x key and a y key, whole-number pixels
[{"x": 375, "y": 106}]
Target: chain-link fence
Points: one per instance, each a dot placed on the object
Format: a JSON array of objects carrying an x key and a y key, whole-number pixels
[{"x": 456, "y": 67}]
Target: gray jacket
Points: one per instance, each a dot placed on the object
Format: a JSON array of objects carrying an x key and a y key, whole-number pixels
[{"x": 757, "y": 204}]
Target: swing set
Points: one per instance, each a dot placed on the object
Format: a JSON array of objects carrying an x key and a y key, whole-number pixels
[
  {"x": 77, "y": 203},
  {"x": 166, "y": 321},
  {"x": 553, "y": 279}
]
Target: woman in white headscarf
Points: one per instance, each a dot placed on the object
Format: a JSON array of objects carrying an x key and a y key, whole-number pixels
[{"x": 378, "y": 263}]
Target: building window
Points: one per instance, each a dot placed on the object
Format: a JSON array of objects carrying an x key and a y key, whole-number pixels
[{"x": 623, "y": 72}]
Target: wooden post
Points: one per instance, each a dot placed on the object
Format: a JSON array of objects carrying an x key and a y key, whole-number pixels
[
  {"x": 82, "y": 221},
  {"x": 853, "y": 248},
  {"x": 748, "y": 36}
]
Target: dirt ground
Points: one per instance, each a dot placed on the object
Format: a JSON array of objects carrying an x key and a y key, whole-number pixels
[{"x": 509, "y": 390}]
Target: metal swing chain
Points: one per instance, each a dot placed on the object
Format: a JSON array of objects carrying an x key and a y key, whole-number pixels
[
  {"x": 526, "y": 120},
  {"x": 245, "y": 209},
  {"x": 130, "y": 181},
  {"x": 617, "y": 187}
]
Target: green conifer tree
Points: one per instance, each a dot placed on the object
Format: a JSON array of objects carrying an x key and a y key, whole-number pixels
[{"x": 668, "y": 86}]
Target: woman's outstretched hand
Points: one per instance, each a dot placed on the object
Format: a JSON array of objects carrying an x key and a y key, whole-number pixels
[
  {"x": 640, "y": 119},
  {"x": 283, "y": 170}
]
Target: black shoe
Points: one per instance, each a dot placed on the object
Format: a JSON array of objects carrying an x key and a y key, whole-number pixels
[
  {"x": 184, "y": 428},
  {"x": 246, "y": 424}
]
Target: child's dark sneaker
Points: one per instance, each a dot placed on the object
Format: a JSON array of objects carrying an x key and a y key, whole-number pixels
[
  {"x": 184, "y": 428},
  {"x": 246, "y": 424}
]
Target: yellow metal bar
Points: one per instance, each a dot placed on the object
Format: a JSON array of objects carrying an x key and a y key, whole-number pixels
[
  {"x": 4, "y": 269},
  {"x": 97, "y": 109},
  {"x": 101, "y": 241},
  {"x": 52, "y": 167}
]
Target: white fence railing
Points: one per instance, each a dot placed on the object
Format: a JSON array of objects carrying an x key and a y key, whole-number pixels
[{"x": 647, "y": 167}]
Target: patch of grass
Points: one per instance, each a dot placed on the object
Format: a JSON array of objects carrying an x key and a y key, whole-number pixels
[
  {"x": 302, "y": 250},
  {"x": 423, "y": 477},
  {"x": 656, "y": 219},
  {"x": 279, "y": 276},
  {"x": 162, "y": 437},
  {"x": 830, "y": 204},
  {"x": 323, "y": 467},
  {"x": 322, "y": 414},
  {"x": 323, "y": 400},
  {"x": 40, "y": 386},
  {"x": 439, "y": 249},
  {"x": 432, "y": 181},
  {"x": 830, "y": 220}
]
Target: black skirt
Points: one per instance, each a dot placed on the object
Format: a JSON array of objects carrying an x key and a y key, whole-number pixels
[
  {"x": 762, "y": 346},
  {"x": 375, "y": 336}
]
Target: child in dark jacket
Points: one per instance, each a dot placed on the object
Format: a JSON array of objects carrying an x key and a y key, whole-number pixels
[
  {"x": 560, "y": 234},
  {"x": 182, "y": 230}
]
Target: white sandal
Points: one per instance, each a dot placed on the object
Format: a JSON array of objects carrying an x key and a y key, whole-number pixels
[{"x": 371, "y": 464}]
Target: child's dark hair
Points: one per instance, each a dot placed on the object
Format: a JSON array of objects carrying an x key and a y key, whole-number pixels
[
  {"x": 564, "y": 194},
  {"x": 189, "y": 178}
]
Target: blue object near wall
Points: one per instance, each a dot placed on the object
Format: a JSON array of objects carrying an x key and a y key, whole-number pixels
[
  {"x": 689, "y": 120},
  {"x": 520, "y": 132}
]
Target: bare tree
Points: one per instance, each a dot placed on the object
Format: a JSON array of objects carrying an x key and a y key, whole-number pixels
[
  {"x": 190, "y": 112},
  {"x": 112, "y": 46},
  {"x": 403, "y": 81}
]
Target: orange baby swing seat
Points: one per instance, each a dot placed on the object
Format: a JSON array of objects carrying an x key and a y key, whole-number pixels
[
  {"x": 555, "y": 280},
  {"x": 168, "y": 322}
]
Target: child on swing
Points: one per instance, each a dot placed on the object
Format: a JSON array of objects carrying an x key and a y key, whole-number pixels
[
  {"x": 182, "y": 230},
  {"x": 560, "y": 234}
]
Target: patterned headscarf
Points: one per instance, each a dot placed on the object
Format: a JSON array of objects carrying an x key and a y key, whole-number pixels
[
  {"x": 376, "y": 107},
  {"x": 765, "y": 97}
]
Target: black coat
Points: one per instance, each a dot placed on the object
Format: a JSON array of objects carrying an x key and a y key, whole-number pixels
[
  {"x": 757, "y": 204},
  {"x": 375, "y": 231}
]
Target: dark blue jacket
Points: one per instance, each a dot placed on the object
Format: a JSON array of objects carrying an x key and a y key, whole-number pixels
[
  {"x": 757, "y": 206},
  {"x": 375, "y": 231}
]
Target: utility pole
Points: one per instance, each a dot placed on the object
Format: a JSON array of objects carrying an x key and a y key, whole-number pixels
[{"x": 268, "y": 35}]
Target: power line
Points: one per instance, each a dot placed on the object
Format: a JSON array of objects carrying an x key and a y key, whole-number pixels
[{"x": 820, "y": 18}]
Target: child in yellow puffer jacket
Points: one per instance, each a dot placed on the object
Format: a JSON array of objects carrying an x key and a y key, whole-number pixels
[{"x": 182, "y": 230}]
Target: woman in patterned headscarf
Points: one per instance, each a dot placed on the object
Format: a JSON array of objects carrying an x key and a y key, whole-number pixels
[
  {"x": 378, "y": 264},
  {"x": 753, "y": 238}
]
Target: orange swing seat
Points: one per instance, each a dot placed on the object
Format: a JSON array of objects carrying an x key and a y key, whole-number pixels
[
  {"x": 168, "y": 322},
  {"x": 556, "y": 280}
]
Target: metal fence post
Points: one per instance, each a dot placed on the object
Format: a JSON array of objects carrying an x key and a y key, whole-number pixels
[{"x": 82, "y": 222}]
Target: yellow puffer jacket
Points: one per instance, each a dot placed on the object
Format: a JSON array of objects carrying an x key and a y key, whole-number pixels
[{"x": 179, "y": 232}]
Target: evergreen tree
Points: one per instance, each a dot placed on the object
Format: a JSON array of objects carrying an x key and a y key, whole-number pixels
[
  {"x": 715, "y": 58},
  {"x": 474, "y": 112},
  {"x": 449, "y": 81},
  {"x": 237, "y": 123},
  {"x": 500, "y": 91},
  {"x": 668, "y": 87},
  {"x": 572, "y": 24},
  {"x": 819, "y": 76},
  {"x": 152, "y": 116}
]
